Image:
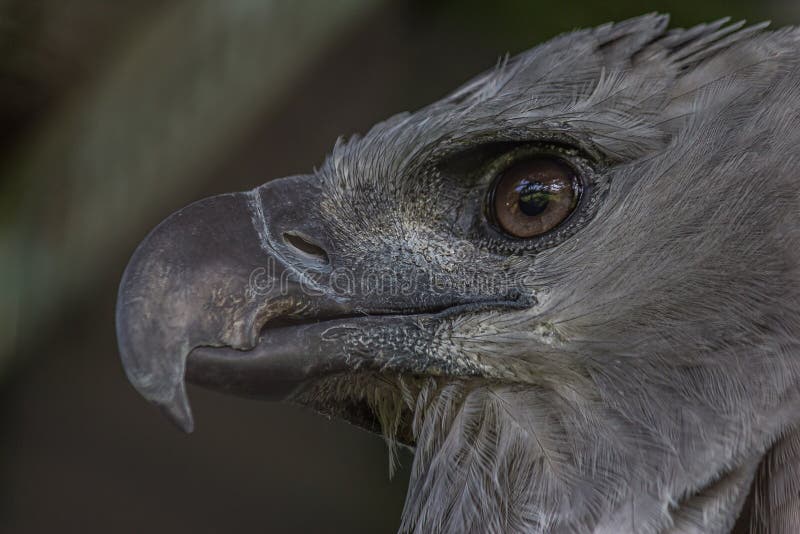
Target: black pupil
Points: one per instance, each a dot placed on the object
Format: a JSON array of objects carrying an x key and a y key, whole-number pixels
[{"x": 533, "y": 197}]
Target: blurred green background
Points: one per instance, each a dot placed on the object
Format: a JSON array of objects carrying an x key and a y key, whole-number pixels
[{"x": 113, "y": 115}]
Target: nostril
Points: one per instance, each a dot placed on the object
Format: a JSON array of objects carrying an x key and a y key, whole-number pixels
[{"x": 305, "y": 246}]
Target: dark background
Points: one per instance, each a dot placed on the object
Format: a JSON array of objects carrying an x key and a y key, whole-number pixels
[{"x": 113, "y": 115}]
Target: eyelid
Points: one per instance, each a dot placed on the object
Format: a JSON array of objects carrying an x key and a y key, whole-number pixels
[
  {"x": 520, "y": 138},
  {"x": 518, "y": 154}
]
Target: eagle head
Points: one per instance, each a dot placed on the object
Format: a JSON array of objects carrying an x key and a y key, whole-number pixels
[{"x": 572, "y": 286}]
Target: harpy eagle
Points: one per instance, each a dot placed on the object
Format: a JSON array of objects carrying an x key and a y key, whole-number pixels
[{"x": 572, "y": 286}]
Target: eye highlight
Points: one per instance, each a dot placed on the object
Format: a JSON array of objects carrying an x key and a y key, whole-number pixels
[{"x": 534, "y": 196}]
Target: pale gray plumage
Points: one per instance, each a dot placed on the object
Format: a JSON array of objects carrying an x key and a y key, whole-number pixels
[{"x": 653, "y": 379}]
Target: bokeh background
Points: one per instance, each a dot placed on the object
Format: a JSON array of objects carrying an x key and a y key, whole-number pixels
[{"x": 114, "y": 114}]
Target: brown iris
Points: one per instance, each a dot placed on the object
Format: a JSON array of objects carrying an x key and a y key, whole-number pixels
[{"x": 534, "y": 196}]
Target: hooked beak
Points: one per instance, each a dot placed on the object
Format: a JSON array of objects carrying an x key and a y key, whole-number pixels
[{"x": 211, "y": 275}]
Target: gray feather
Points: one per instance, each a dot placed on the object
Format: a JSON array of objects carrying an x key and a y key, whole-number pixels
[{"x": 656, "y": 382}]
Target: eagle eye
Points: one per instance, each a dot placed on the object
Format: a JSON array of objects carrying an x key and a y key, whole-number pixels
[{"x": 534, "y": 196}]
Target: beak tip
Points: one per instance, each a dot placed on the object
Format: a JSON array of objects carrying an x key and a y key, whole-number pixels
[
  {"x": 165, "y": 389},
  {"x": 178, "y": 411}
]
